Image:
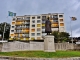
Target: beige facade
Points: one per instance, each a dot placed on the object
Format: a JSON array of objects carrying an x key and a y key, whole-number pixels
[{"x": 32, "y": 27}]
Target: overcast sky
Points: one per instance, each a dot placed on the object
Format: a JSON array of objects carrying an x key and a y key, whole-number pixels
[{"x": 27, "y": 7}]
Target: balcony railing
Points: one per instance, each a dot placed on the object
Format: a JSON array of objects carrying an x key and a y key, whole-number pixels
[
  {"x": 21, "y": 32},
  {"x": 43, "y": 30},
  {"x": 55, "y": 26},
  {"x": 22, "y": 27},
  {"x": 43, "y": 21}
]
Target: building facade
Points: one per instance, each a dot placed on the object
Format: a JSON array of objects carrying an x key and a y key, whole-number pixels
[{"x": 32, "y": 27}]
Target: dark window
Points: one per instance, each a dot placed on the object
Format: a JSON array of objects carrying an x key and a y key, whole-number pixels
[
  {"x": 12, "y": 26},
  {"x": 38, "y": 34},
  {"x": 38, "y": 21},
  {"x": 43, "y": 17},
  {"x": 55, "y": 16},
  {"x": 12, "y": 30},
  {"x": 38, "y": 17},
  {"x": 13, "y": 19},
  {"x": 43, "y": 27},
  {"x": 33, "y": 17},
  {"x": 33, "y": 34},
  {"x": 27, "y": 18},
  {"x": 60, "y": 15},
  {"x": 33, "y": 21},
  {"x": 18, "y": 18},
  {"x": 33, "y": 25}
]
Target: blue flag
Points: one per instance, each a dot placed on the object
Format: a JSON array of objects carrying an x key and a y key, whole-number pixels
[
  {"x": 14, "y": 14},
  {"x": 11, "y": 13}
]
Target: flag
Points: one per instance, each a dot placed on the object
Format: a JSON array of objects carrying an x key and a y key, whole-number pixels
[
  {"x": 10, "y": 13},
  {"x": 14, "y": 14},
  {"x": 73, "y": 18}
]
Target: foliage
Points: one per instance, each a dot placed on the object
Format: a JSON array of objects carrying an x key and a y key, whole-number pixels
[
  {"x": 42, "y": 54},
  {"x": 7, "y": 29},
  {"x": 60, "y": 36}
]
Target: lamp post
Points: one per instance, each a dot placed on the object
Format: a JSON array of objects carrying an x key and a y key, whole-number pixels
[
  {"x": 71, "y": 30},
  {"x": 4, "y": 31}
]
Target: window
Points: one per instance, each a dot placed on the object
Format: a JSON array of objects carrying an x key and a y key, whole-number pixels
[
  {"x": 38, "y": 17},
  {"x": 19, "y": 18},
  {"x": 27, "y": 18},
  {"x": 32, "y": 30},
  {"x": 11, "y": 34},
  {"x": 33, "y": 34},
  {"x": 61, "y": 20},
  {"x": 13, "y": 23},
  {"x": 55, "y": 16},
  {"x": 43, "y": 27},
  {"x": 38, "y": 34},
  {"x": 38, "y": 21},
  {"x": 61, "y": 24},
  {"x": 12, "y": 26},
  {"x": 33, "y": 21},
  {"x": 12, "y": 30},
  {"x": 55, "y": 20},
  {"x": 43, "y": 17},
  {"x": 33, "y": 25},
  {"x": 38, "y": 25},
  {"x": 43, "y": 21},
  {"x": 60, "y": 15},
  {"x": 33, "y": 17},
  {"x": 14, "y": 19},
  {"x": 38, "y": 29}
]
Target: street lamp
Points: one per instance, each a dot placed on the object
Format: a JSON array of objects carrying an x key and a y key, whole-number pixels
[{"x": 4, "y": 30}]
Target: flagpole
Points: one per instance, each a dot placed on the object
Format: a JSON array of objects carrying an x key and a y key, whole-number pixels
[
  {"x": 4, "y": 31},
  {"x": 71, "y": 30}
]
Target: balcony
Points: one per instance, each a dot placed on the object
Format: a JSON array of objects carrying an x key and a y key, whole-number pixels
[
  {"x": 55, "y": 18},
  {"x": 27, "y": 18},
  {"x": 26, "y": 22},
  {"x": 43, "y": 24},
  {"x": 22, "y": 27},
  {"x": 43, "y": 21},
  {"x": 21, "y": 32},
  {"x": 24, "y": 36},
  {"x": 43, "y": 30},
  {"x": 43, "y": 17},
  {"x": 38, "y": 25},
  {"x": 18, "y": 23},
  {"x": 54, "y": 26}
]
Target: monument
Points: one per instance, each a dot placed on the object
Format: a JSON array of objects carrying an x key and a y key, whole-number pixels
[{"x": 49, "y": 39}]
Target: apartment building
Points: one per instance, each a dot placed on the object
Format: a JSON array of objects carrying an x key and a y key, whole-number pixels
[{"x": 32, "y": 27}]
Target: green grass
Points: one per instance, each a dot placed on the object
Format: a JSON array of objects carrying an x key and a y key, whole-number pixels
[{"x": 42, "y": 54}]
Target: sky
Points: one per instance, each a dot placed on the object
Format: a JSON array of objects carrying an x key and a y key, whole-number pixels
[{"x": 29, "y": 7}]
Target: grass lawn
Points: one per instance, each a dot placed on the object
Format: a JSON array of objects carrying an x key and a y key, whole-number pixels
[{"x": 42, "y": 54}]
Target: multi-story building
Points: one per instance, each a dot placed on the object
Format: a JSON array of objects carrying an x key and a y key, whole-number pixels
[{"x": 32, "y": 27}]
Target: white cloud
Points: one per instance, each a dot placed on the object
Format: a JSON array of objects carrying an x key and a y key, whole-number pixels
[{"x": 76, "y": 33}]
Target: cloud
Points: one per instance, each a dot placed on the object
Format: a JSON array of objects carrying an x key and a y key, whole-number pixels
[{"x": 28, "y": 7}]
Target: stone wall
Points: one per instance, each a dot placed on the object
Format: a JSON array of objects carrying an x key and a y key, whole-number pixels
[
  {"x": 1, "y": 45},
  {"x": 19, "y": 46},
  {"x": 23, "y": 58},
  {"x": 64, "y": 46}
]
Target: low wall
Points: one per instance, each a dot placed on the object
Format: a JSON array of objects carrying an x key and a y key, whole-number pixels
[
  {"x": 19, "y": 46},
  {"x": 23, "y": 58},
  {"x": 1, "y": 45}
]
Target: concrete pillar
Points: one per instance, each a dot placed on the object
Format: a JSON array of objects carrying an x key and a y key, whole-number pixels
[{"x": 49, "y": 44}]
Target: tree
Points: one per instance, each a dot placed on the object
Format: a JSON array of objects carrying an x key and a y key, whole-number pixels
[
  {"x": 7, "y": 29},
  {"x": 60, "y": 36}
]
